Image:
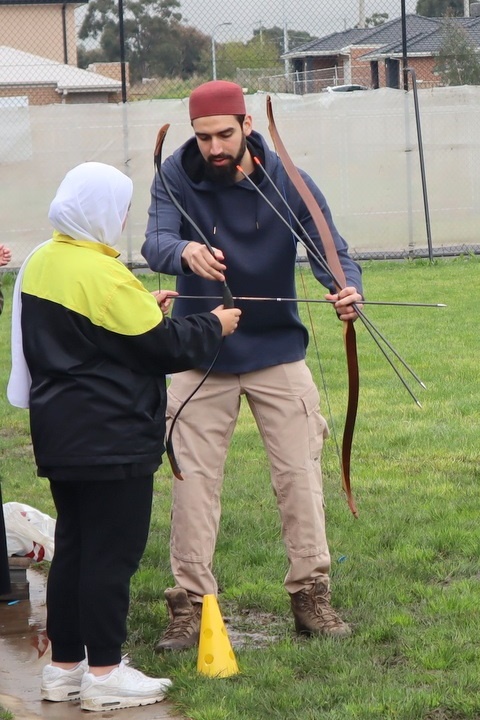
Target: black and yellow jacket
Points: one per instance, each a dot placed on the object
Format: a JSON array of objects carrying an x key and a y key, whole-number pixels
[{"x": 98, "y": 347}]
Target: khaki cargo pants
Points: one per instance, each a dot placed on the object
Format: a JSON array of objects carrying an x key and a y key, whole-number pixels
[{"x": 285, "y": 404}]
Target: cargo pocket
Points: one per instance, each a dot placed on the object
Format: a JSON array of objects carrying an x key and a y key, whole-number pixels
[{"x": 317, "y": 425}]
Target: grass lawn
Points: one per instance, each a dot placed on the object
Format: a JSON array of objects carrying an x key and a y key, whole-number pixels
[{"x": 406, "y": 574}]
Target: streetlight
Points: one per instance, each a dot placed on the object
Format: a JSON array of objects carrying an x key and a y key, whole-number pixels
[{"x": 214, "y": 64}]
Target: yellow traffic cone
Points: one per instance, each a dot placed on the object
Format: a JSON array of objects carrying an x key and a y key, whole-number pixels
[{"x": 215, "y": 654}]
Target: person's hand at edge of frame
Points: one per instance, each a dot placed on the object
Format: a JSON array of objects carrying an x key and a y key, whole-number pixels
[{"x": 5, "y": 255}]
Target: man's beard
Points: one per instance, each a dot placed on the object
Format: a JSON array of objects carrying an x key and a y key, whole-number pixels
[{"x": 225, "y": 174}]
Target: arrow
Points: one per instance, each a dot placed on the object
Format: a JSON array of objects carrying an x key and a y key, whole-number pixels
[{"x": 307, "y": 300}]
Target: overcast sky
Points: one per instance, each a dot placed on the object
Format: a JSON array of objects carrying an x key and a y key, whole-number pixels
[{"x": 318, "y": 17}]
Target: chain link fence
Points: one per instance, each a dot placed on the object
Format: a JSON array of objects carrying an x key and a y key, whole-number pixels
[{"x": 95, "y": 80}]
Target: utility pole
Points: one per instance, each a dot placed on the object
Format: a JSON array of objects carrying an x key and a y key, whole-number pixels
[
  {"x": 285, "y": 40},
  {"x": 214, "y": 55},
  {"x": 404, "y": 47},
  {"x": 361, "y": 13},
  {"x": 285, "y": 46},
  {"x": 121, "y": 38}
]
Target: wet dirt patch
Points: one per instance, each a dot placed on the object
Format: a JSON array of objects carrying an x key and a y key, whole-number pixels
[
  {"x": 21, "y": 451},
  {"x": 14, "y": 429},
  {"x": 446, "y": 714},
  {"x": 251, "y": 629}
]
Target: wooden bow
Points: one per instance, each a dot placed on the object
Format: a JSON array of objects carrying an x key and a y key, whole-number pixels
[{"x": 338, "y": 276}]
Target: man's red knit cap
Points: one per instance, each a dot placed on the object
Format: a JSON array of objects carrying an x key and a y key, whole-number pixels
[{"x": 217, "y": 97}]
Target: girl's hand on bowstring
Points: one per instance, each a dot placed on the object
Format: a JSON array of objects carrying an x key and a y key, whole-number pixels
[
  {"x": 229, "y": 319},
  {"x": 164, "y": 299}
]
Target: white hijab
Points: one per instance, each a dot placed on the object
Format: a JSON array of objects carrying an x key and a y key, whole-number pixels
[{"x": 91, "y": 204}]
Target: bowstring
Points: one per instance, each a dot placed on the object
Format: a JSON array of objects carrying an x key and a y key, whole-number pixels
[
  {"x": 315, "y": 341},
  {"x": 226, "y": 295}
]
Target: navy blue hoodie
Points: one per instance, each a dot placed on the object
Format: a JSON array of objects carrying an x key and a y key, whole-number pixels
[{"x": 260, "y": 252}]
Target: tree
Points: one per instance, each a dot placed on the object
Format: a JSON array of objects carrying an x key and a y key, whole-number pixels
[
  {"x": 276, "y": 35},
  {"x": 376, "y": 19},
  {"x": 440, "y": 8},
  {"x": 156, "y": 43},
  {"x": 252, "y": 54},
  {"x": 458, "y": 61},
  {"x": 262, "y": 51}
]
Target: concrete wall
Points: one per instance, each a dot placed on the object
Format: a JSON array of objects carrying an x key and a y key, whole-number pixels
[{"x": 361, "y": 149}]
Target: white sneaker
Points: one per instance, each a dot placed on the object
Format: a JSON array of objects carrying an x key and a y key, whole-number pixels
[
  {"x": 61, "y": 685},
  {"x": 124, "y": 687}
]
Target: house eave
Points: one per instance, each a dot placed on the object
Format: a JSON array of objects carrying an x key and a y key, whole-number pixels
[
  {"x": 26, "y": 83},
  {"x": 68, "y": 90},
  {"x": 317, "y": 53},
  {"x": 397, "y": 55}
]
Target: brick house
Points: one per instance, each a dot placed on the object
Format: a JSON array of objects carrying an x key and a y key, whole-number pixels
[
  {"x": 38, "y": 56},
  {"x": 373, "y": 56},
  {"x": 45, "y": 28}
]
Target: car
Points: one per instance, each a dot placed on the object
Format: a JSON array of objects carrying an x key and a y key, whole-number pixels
[{"x": 344, "y": 88}]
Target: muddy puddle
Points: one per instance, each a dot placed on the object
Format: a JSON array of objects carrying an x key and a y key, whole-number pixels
[{"x": 24, "y": 650}]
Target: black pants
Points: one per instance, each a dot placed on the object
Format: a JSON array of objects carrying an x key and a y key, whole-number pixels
[{"x": 101, "y": 532}]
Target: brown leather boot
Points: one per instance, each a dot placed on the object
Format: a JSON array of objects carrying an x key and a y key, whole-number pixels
[
  {"x": 184, "y": 628},
  {"x": 313, "y": 613}
]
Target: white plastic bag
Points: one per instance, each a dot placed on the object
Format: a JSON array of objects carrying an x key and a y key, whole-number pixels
[{"x": 29, "y": 532}]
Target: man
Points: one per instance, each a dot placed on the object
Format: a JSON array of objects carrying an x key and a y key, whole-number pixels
[{"x": 264, "y": 361}]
